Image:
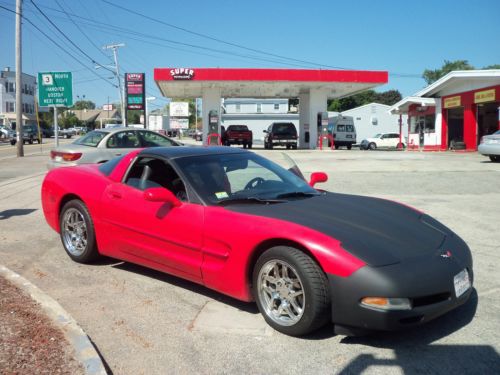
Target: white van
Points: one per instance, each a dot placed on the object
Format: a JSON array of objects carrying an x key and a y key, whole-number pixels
[{"x": 343, "y": 131}]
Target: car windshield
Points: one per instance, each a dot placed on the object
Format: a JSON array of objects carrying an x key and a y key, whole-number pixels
[
  {"x": 238, "y": 128},
  {"x": 377, "y": 135},
  {"x": 497, "y": 132},
  {"x": 284, "y": 129},
  {"x": 91, "y": 139},
  {"x": 241, "y": 177}
]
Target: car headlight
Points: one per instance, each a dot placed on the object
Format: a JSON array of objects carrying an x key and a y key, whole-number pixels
[{"x": 385, "y": 303}]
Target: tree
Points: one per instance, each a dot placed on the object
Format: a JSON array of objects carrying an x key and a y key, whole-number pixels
[
  {"x": 69, "y": 120},
  {"x": 389, "y": 97},
  {"x": 133, "y": 117},
  {"x": 84, "y": 104},
  {"x": 494, "y": 66},
  {"x": 431, "y": 76}
]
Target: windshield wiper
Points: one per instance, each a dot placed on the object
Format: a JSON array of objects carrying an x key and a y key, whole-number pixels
[
  {"x": 249, "y": 200},
  {"x": 297, "y": 194}
]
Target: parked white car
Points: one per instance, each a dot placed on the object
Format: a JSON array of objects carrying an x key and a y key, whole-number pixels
[
  {"x": 6, "y": 132},
  {"x": 490, "y": 146},
  {"x": 382, "y": 140}
]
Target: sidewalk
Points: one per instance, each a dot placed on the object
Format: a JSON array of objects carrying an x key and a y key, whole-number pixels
[{"x": 38, "y": 335}]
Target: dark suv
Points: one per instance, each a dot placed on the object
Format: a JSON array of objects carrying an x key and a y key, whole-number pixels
[
  {"x": 30, "y": 134},
  {"x": 281, "y": 134}
]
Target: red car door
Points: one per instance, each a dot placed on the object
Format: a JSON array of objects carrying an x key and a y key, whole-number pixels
[{"x": 154, "y": 234}]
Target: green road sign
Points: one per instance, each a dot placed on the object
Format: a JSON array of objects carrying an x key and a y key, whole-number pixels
[{"x": 55, "y": 89}]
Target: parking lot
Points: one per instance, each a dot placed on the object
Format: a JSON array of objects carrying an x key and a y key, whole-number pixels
[{"x": 145, "y": 322}]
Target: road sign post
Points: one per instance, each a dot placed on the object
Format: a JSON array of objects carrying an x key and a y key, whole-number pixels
[{"x": 55, "y": 89}]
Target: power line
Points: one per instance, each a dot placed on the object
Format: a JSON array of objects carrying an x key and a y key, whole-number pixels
[
  {"x": 58, "y": 45},
  {"x": 133, "y": 32},
  {"x": 67, "y": 38},
  {"x": 80, "y": 29},
  {"x": 215, "y": 39}
]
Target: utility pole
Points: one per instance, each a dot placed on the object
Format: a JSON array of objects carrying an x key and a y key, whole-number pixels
[
  {"x": 114, "y": 47},
  {"x": 19, "y": 83}
]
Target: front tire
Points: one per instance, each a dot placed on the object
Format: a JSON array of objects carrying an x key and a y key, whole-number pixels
[
  {"x": 77, "y": 232},
  {"x": 372, "y": 146},
  {"x": 495, "y": 158},
  {"x": 291, "y": 291}
]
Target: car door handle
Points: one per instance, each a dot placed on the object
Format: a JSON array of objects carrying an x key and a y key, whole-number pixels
[
  {"x": 114, "y": 195},
  {"x": 118, "y": 154}
]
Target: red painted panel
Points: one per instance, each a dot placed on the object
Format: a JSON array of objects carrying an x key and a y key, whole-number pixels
[
  {"x": 294, "y": 75},
  {"x": 444, "y": 128},
  {"x": 470, "y": 127}
]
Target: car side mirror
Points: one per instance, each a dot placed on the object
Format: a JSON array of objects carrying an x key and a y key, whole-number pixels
[
  {"x": 159, "y": 194},
  {"x": 264, "y": 131},
  {"x": 317, "y": 177}
]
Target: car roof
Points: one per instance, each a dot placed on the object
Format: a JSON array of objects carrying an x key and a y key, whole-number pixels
[{"x": 182, "y": 152}]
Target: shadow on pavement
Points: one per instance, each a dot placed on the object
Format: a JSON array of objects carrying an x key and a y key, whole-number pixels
[
  {"x": 415, "y": 353},
  {"x": 7, "y": 214},
  {"x": 196, "y": 288}
]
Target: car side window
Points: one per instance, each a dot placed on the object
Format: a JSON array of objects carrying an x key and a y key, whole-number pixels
[
  {"x": 151, "y": 172},
  {"x": 125, "y": 139},
  {"x": 151, "y": 139}
]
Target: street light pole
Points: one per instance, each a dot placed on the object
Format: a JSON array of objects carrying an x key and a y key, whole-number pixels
[
  {"x": 19, "y": 83},
  {"x": 114, "y": 47}
]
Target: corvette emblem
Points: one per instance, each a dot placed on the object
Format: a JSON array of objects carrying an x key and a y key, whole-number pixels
[{"x": 446, "y": 254}]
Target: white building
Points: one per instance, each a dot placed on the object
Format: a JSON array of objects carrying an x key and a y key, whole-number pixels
[
  {"x": 8, "y": 98},
  {"x": 373, "y": 118},
  {"x": 257, "y": 114}
]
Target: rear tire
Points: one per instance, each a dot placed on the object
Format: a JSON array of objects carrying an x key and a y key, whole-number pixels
[
  {"x": 349, "y": 147},
  {"x": 249, "y": 145},
  {"x": 495, "y": 158},
  {"x": 270, "y": 145},
  {"x": 337, "y": 147},
  {"x": 77, "y": 232},
  {"x": 291, "y": 291}
]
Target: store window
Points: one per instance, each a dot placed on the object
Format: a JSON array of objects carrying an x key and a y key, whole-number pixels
[
  {"x": 259, "y": 108},
  {"x": 276, "y": 107},
  {"x": 424, "y": 123},
  {"x": 238, "y": 108}
]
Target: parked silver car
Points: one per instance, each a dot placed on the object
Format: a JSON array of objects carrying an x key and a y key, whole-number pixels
[
  {"x": 490, "y": 146},
  {"x": 102, "y": 145}
]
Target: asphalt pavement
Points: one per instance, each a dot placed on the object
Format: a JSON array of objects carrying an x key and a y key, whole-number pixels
[{"x": 146, "y": 322}]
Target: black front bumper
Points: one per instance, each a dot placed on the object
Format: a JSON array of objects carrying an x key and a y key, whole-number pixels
[{"x": 428, "y": 282}]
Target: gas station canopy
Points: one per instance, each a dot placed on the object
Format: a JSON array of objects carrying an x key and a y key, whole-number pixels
[{"x": 264, "y": 83}]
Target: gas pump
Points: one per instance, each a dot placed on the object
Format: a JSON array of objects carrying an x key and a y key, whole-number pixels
[
  {"x": 213, "y": 136},
  {"x": 323, "y": 136}
]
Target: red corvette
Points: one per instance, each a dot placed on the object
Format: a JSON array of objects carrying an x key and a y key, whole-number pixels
[{"x": 244, "y": 226}]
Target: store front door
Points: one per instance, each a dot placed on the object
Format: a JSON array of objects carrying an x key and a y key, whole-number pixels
[{"x": 456, "y": 128}]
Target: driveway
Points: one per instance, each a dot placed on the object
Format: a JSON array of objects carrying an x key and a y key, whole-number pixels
[{"x": 145, "y": 322}]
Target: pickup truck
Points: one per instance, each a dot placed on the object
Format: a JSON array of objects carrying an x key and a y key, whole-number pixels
[{"x": 237, "y": 135}]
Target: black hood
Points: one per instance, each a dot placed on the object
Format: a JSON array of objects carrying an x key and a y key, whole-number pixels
[{"x": 380, "y": 232}]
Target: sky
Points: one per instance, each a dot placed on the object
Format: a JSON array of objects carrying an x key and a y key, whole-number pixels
[{"x": 401, "y": 37}]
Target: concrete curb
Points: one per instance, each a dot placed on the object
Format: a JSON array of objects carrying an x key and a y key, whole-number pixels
[{"x": 78, "y": 339}]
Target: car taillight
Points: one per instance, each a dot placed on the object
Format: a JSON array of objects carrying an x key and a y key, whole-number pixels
[{"x": 66, "y": 156}]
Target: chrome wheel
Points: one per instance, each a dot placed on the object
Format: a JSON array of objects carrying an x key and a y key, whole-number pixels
[
  {"x": 281, "y": 292},
  {"x": 74, "y": 232}
]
